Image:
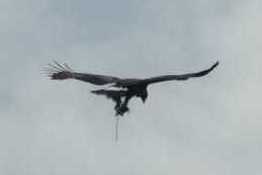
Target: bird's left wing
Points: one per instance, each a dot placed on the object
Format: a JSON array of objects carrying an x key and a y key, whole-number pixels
[
  {"x": 179, "y": 77},
  {"x": 58, "y": 71}
]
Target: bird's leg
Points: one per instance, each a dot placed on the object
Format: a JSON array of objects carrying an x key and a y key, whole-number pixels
[
  {"x": 118, "y": 104},
  {"x": 123, "y": 107}
]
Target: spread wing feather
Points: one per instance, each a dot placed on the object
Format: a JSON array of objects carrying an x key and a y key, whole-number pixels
[
  {"x": 58, "y": 71},
  {"x": 179, "y": 77}
]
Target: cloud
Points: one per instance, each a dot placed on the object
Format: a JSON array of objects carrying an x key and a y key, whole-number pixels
[{"x": 202, "y": 126}]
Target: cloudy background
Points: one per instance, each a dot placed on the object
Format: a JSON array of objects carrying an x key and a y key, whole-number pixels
[{"x": 211, "y": 125}]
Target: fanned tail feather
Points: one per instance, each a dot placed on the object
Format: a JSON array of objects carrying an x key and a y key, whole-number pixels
[
  {"x": 116, "y": 97},
  {"x": 110, "y": 94}
]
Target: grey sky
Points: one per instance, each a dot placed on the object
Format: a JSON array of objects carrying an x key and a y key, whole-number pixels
[{"x": 205, "y": 126}]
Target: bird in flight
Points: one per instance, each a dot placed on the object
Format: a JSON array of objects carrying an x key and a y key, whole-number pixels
[{"x": 127, "y": 88}]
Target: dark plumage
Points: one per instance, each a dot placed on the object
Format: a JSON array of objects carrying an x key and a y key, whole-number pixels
[{"x": 128, "y": 88}]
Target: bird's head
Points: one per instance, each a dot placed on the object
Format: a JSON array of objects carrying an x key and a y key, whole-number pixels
[{"x": 143, "y": 95}]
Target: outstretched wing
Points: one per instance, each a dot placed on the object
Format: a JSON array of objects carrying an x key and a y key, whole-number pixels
[
  {"x": 58, "y": 71},
  {"x": 179, "y": 77}
]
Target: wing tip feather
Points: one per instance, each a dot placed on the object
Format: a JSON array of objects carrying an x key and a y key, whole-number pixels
[
  {"x": 216, "y": 64},
  {"x": 56, "y": 71}
]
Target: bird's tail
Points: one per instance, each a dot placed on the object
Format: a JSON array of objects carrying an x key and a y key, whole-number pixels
[
  {"x": 111, "y": 94},
  {"x": 58, "y": 71}
]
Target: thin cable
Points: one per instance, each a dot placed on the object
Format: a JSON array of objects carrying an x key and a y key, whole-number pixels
[{"x": 116, "y": 128}]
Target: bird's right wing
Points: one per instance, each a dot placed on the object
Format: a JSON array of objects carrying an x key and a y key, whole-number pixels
[
  {"x": 180, "y": 77},
  {"x": 58, "y": 71}
]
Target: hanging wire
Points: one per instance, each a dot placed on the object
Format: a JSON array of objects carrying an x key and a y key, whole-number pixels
[{"x": 116, "y": 128}]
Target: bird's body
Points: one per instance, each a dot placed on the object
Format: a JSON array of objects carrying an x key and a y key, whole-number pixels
[{"x": 128, "y": 88}]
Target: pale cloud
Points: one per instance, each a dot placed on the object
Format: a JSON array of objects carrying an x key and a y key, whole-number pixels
[{"x": 205, "y": 126}]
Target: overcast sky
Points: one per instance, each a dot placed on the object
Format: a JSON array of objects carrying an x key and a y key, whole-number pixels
[{"x": 211, "y": 125}]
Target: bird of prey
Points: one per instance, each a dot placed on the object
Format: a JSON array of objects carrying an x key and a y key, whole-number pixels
[{"x": 126, "y": 88}]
